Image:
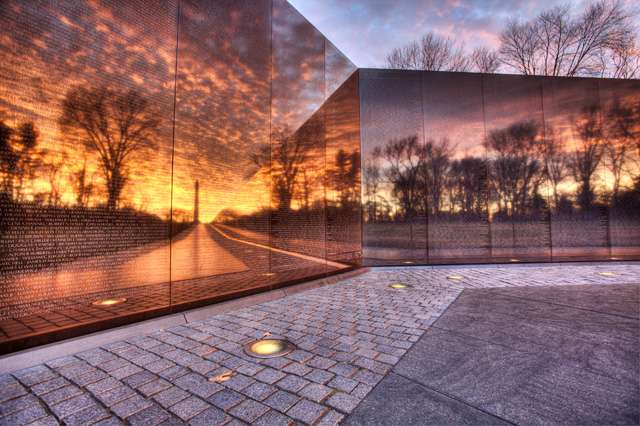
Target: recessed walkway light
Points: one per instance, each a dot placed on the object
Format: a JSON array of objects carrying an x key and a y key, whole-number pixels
[
  {"x": 615, "y": 258},
  {"x": 268, "y": 348},
  {"x": 109, "y": 302},
  {"x": 457, "y": 277},
  {"x": 268, "y": 274},
  {"x": 514, "y": 260},
  {"x": 609, "y": 274},
  {"x": 399, "y": 286},
  {"x": 408, "y": 262}
]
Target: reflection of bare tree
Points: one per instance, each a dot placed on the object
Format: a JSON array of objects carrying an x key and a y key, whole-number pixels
[
  {"x": 112, "y": 124},
  {"x": 586, "y": 157},
  {"x": 19, "y": 158},
  {"x": 345, "y": 175},
  {"x": 83, "y": 186},
  {"x": 516, "y": 167},
  {"x": 438, "y": 159},
  {"x": 405, "y": 160},
  {"x": 372, "y": 182},
  {"x": 468, "y": 178},
  {"x": 623, "y": 138},
  {"x": 556, "y": 162},
  {"x": 286, "y": 160}
]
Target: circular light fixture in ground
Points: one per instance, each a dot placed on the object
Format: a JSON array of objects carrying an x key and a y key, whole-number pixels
[
  {"x": 109, "y": 302},
  {"x": 268, "y": 274},
  {"x": 615, "y": 258},
  {"x": 514, "y": 260},
  {"x": 609, "y": 274},
  {"x": 457, "y": 277},
  {"x": 399, "y": 286},
  {"x": 408, "y": 262},
  {"x": 268, "y": 348}
]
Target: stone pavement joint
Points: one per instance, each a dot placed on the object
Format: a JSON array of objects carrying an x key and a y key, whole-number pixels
[{"x": 348, "y": 336}]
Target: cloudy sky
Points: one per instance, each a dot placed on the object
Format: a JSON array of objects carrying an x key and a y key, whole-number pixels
[{"x": 366, "y": 30}]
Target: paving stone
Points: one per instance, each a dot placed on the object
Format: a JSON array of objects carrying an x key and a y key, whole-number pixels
[
  {"x": 343, "y": 402},
  {"x": 60, "y": 394},
  {"x": 296, "y": 368},
  {"x": 173, "y": 373},
  {"x": 388, "y": 359},
  {"x": 300, "y": 356},
  {"x": 115, "y": 395},
  {"x": 342, "y": 383},
  {"x": 361, "y": 391},
  {"x": 188, "y": 408},
  {"x": 316, "y": 392},
  {"x": 39, "y": 377},
  {"x": 32, "y": 370},
  {"x": 130, "y": 406},
  {"x": 217, "y": 356},
  {"x": 203, "y": 367},
  {"x": 232, "y": 362},
  {"x": 150, "y": 416},
  {"x": 153, "y": 387},
  {"x": 250, "y": 369},
  {"x": 248, "y": 410},
  {"x": 139, "y": 379},
  {"x": 44, "y": 421},
  {"x": 70, "y": 406},
  {"x": 320, "y": 362},
  {"x": 238, "y": 382},
  {"x": 332, "y": 418},
  {"x": 144, "y": 360},
  {"x": 367, "y": 377},
  {"x": 306, "y": 411},
  {"x": 276, "y": 363},
  {"x": 188, "y": 381},
  {"x": 210, "y": 417},
  {"x": 111, "y": 421},
  {"x": 281, "y": 400},
  {"x": 72, "y": 372},
  {"x": 86, "y": 416},
  {"x": 259, "y": 391},
  {"x": 205, "y": 389},
  {"x": 342, "y": 369},
  {"x": 225, "y": 399},
  {"x": 103, "y": 385},
  {"x": 17, "y": 404},
  {"x": 159, "y": 365},
  {"x": 88, "y": 378},
  {"x": 113, "y": 364},
  {"x": 59, "y": 362},
  {"x": 292, "y": 383},
  {"x": 12, "y": 392},
  {"x": 49, "y": 385},
  {"x": 170, "y": 396},
  {"x": 269, "y": 376},
  {"x": 273, "y": 418},
  {"x": 319, "y": 376},
  {"x": 25, "y": 416}
]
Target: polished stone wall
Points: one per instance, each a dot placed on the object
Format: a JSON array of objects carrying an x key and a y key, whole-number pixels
[
  {"x": 160, "y": 156},
  {"x": 481, "y": 168}
]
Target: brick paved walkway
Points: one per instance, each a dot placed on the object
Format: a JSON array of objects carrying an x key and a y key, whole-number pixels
[{"x": 348, "y": 336}]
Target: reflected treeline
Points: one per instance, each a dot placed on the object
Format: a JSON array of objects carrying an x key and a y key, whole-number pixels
[
  {"x": 102, "y": 126},
  {"x": 524, "y": 167}
]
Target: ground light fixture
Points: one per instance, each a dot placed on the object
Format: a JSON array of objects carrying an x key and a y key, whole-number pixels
[
  {"x": 268, "y": 348},
  {"x": 408, "y": 262},
  {"x": 609, "y": 274},
  {"x": 268, "y": 274},
  {"x": 109, "y": 302},
  {"x": 456, "y": 277},
  {"x": 514, "y": 260},
  {"x": 399, "y": 286}
]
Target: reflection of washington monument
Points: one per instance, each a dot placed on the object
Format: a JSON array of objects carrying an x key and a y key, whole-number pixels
[{"x": 196, "y": 210}]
